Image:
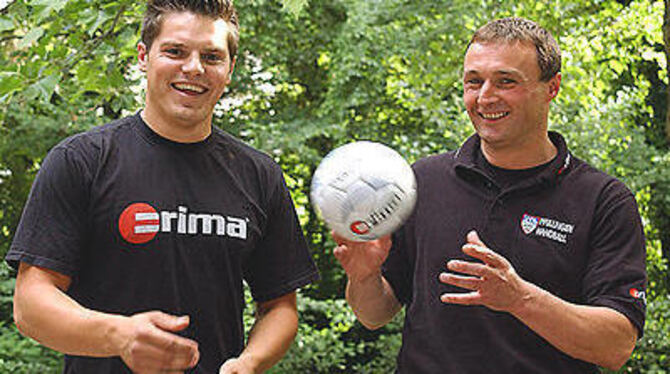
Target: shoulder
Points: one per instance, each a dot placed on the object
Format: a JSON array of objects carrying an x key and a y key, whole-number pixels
[
  {"x": 436, "y": 160},
  {"x": 97, "y": 137},
  {"x": 584, "y": 177},
  {"x": 242, "y": 152},
  {"x": 250, "y": 163},
  {"x": 432, "y": 163},
  {"x": 81, "y": 153}
]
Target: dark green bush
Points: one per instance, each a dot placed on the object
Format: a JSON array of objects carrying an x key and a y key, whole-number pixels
[
  {"x": 330, "y": 340},
  {"x": 652, "y": 354},
  {"x": 20, "y": 355}
]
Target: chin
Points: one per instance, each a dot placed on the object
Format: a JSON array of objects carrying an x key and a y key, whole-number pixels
[
  {"x": 189, "y": 114},
  {"x": 491, "y": 137}
]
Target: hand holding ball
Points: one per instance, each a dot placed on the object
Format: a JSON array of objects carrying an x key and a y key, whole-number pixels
[{"x": 363, "y": 190}]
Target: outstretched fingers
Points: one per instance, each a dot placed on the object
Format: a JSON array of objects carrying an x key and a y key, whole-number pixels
[
  {"x": 469, "y": 298},
  {"x": 468, "y": 283},
  {"x": 486, "y": 255}
]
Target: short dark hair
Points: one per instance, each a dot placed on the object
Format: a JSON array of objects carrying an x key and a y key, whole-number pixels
[
  {"x": 523, "y": 30},
  {"x": 215, "y": 9}
]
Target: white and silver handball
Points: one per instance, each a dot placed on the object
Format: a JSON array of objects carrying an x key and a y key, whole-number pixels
[{"x": 363, "y": 190}]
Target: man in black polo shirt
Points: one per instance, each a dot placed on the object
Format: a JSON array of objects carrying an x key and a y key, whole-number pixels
[
  {"x": 519, "y": 257},
  {"x": 137, "y": 235}
]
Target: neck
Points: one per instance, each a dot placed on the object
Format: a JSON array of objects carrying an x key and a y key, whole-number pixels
[
  {"x": 175, "y": 129},
  {"x": 537, "y": 151}
]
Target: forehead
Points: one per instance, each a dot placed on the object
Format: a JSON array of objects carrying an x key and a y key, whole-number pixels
[
  {"x": 193, "y": 29},
  {"x": 502, "y": 57}
]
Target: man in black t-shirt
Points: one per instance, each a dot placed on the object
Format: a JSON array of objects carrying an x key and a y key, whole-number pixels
[
  {"x": 137, "y": 235},
  {"x": 519, "y": 257}
]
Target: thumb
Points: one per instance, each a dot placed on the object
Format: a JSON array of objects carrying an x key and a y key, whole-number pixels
[
  {"x": 473, "y": 238},
  {"x": 385, "y": 242},
  {"x": 169, "y": 322}
]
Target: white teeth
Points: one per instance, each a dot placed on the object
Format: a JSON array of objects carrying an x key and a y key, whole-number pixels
[
  {"x": 189, "y": 87},
  {"x": 494, "y": 115}
]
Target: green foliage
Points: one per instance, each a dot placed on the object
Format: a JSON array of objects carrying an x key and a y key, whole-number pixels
[
  {"x": 24, "y": 356},
  {"x": 652, "y": 353},
  {"x": 294, "y": 6},
  {"x": 331, "y": 341},
  {"x": 18, "y": 354}
]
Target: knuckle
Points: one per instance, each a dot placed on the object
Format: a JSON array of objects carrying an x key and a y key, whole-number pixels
[
  {"x": 142, "y": 333},
  {"x": 134, "y": 353}
]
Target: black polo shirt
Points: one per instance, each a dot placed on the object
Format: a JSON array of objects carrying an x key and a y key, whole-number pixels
[{"x": 567, "y": 227}]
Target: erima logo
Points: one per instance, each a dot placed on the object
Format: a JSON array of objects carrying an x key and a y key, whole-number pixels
[
  {"x": 546, "y": 228},
  {"x": 140, "y": 223},
  {"x": 362, "y": 227},
  {"x": 640, "y": 295}
]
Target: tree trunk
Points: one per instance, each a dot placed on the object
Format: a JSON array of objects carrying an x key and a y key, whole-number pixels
[{"x": 662, "y": 212}]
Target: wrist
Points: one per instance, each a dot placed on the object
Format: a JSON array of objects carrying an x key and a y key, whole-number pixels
[
  {"x": 250, "y": 362},
  {"x": 527, "y": 302},
  {"x": 366, "y": 279},
  {"x": 116, "y": 335}
]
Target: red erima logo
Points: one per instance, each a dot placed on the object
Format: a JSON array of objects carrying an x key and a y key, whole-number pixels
[
  {"x": 360, "y": 227},
  {"x": 140, "y": 222},
  {"x": 638, "y": 294}
]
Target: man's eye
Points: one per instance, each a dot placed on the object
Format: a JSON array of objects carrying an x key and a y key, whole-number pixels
[
  {"x": 173, "y": 51},
  {"x": 507, "y": 81},
  {"x": 210, "y": 57},
  {"x": 473, "y": 81}
]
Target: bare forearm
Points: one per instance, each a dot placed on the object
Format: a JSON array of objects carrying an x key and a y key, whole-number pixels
[
  {"x": 52, "y": 318},
  {"x": 272, "y": 334},
  {"x": 373, "y": 301},
  {"x": 594, "y": 334}
]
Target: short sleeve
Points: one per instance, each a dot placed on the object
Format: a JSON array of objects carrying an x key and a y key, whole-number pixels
[
  {"x": 281, "y": 262},
  {"x": 615, "y": 275},
  {"x": 397, "y": 269},
  {"x": 52, "y": 228}
]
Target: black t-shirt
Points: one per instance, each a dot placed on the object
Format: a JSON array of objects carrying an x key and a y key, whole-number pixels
[
  {"x": 505, "y": 178},
  {"x": 566, "y": 227},
  {"x": 143, "y": 223}
]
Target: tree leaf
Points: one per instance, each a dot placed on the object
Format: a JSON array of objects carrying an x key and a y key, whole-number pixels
[
  {"x": 6, "y": 24},
  {"x": 32, "y": 36},
  {"x": 10, "y": 82},
  {"x": 49, "y": 7},
  {"x": 43, "y": 88},
  {"x": 294, "y": 6}
]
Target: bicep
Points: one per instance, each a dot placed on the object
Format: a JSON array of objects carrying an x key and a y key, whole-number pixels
[
  {"x": 30, "y": 276},
  {"x": 284, "y": 302},
  {"x": 623, "y": 325},
  {"x": 35, "y": 289}
]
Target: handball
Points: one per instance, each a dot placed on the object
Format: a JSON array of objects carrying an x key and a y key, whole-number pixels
[{"x": 363, "y": 190}]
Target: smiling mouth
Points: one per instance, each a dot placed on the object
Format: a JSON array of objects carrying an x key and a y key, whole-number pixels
[
  {"x": 190, "y": 89},
  {"x": 493, "y": 116}
]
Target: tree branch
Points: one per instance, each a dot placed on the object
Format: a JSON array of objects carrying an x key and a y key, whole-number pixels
[{"x": 92, "y": 44}]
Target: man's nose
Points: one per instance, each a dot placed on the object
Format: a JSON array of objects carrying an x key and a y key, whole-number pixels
[
  {"x": 193, "y": 65},
  {"x": 487, "y": 93}
]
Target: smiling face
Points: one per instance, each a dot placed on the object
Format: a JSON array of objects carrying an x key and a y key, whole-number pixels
[
  {"x": 505, "y": 99},
  {"x": 188, "y": 68}
]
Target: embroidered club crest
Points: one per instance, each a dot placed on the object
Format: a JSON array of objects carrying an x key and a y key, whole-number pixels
[{"x": 529, "y": 223}]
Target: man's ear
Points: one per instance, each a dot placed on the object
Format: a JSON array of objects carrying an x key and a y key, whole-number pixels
[
  {"x": 142, "y": 55},
  {"x": 554, "y": 86},
  {"x": 232, "y": 69}
]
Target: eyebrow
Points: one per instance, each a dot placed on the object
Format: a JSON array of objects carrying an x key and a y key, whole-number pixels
[
  {"x": 499, "y": 72},
  {"x": 173, "y": 43}
]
